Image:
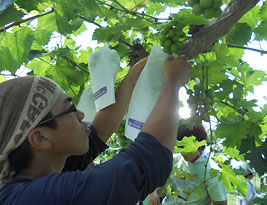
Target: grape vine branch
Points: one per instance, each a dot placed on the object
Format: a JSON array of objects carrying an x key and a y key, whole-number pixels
[{"x": 217, "y": 28}]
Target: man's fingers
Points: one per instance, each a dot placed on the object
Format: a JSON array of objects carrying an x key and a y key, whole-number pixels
[
  {"x": 143, "y": 60},
  {"x": 170, "y": 58},
  {"x": 141, "y": 63}
]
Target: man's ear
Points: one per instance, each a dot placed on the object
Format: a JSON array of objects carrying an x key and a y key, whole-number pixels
[
  {"x": 200, "y": 150},
  {"x": 38, "y": 140}
]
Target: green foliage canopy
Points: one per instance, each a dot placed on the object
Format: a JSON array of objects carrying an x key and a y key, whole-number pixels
[{"x": 27, "y": 29}]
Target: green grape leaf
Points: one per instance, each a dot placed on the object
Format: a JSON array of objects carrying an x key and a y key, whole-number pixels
[
  {"x": 84, "y": 54},
  {"x": 238, "y": 92},
  {"x": 242, "y": 187},
  {"x": 78, "y": 89},
  {"x": 9, "y": 15},
  {"x": 29, "y": 5},
  {"x": 260, "y": 31},
  {"x": 191, "y": 19},
  {"x": 137, "y": 23},
  {"x": 2, "y": 78},
  {"x": 66, "y": 73},
  {"x": 15, "y": 48},
  {"x": 66, "y": 17},
  {"x": 263, "y": 128},
  {"x": 221, "y": 50},
  {"x": 252, "y": 17},
  {"x": 229, "y": 178},
  {"x": 257, "y": 116},
  {"x": 224, "y": 179},
  {"x": 80, "y": 30},
  {"x": 238, "y": 53},
  {"x": 227, "y": 88},
  {"x": 59, "y": 52},
  {"x": 243, "y": 103},
  {"x": 39, "y": 67},
  {"x": 214, "y": 172},
  {"x": 224, "y": 56},
  {"x": 115, "y": 32},
  {"x": 231, "y": 60},
  {"x": 154, "y": 8},
  {"x": 133, "y": 5},
  {"x": 234, "y": 153},
  {"x": 254, "y": 129},
  {"x": 248, "y": 77},
  {"x": 189, "y": 145},
  {"x": 107, "y": 34},
  {"x": 231, "y": 118},
  {"x": 258, "y": 158},
  {"x": 169, "y": 2},
  {"x": 254, "y": 78},
  {"x": 216, "y": 72},
  {"x": 263, "y": 11},
  {"x": 46, "y": 26},
  {"x": 233, "y": 133},
  {"x": 216, "y": 77},
  {"x": 35, "y": 53},
  {"x": 91, "y": 8},
  {"x": 246, "y": 144},
  {"x": 240, "y": 34},
  {"x": 122, "y": 49}
]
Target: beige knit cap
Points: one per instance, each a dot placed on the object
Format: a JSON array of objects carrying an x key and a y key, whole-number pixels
[{"x": 24, "y": 102}]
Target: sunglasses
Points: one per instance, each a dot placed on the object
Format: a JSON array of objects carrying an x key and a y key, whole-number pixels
[{"x": 69, "y": 110}]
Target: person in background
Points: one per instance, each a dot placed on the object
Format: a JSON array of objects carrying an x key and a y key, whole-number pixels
[
  {"x": 211, "y": 190},
  {"x": 41, "y": 130},
  {"x": 251, "y": 191}
]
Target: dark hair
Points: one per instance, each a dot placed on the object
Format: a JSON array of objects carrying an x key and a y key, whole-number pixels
[
  {"x": 198, "y": 131},
  {"x": 249, "y": 175},
  {"x": 21, "y": 157}
]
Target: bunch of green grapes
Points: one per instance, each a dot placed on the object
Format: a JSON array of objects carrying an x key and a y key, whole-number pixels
[
  {"x": 209, "y": 8},
  {"x": 172, "y": 36},
  {"x": 122, "y": 140},
  {"x": 200, "y": 101}
]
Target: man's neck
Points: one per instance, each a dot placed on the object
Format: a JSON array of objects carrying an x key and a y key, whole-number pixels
[{"x": 42, "y": 167}]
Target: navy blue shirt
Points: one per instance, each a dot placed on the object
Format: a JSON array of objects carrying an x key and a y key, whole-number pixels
[{"x": 125, "y": 179}]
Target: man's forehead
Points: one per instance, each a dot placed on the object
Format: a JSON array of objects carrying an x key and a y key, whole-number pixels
[{"x": 63, "y": 99}]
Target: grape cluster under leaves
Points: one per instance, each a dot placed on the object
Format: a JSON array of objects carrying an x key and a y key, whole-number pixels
[
  {"x": 122, "y": 140},
  {"x": 172, "y": 36},
  {"x": 200, "y": 101},
  {"x": 207, "y": 8}
]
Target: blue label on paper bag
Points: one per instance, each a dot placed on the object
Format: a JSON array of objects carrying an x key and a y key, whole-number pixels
[
  {"x": 100, "y": 92},
  {"x": 136, "y": 124}
]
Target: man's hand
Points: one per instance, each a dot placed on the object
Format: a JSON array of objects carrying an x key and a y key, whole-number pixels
[
  {"x": 176, "y": 69},
  {"x": 162, "y": 123},
  {"x": 154, "y": 198}
]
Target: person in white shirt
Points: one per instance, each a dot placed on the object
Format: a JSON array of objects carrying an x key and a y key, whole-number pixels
[
  {"x": 210, "y": 189},
  {"x": 251, "y": 192}
]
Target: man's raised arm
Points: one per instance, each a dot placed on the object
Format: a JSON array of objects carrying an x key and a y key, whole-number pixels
[{"x": 163, "y": 120}]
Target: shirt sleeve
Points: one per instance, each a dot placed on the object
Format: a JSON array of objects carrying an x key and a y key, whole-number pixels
[
  {"x": 128, "y": 177},
  {"x": 96, "y": 146}
]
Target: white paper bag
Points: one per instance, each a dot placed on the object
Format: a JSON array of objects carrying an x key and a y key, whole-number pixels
[
  {"x": 104, "y": 64},
  {"x": 146, "y": 93},
  {"x": 87, "y": 105}
]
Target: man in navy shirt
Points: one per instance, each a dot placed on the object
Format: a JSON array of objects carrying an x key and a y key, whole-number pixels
[{"x": 41, "y": 130}]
